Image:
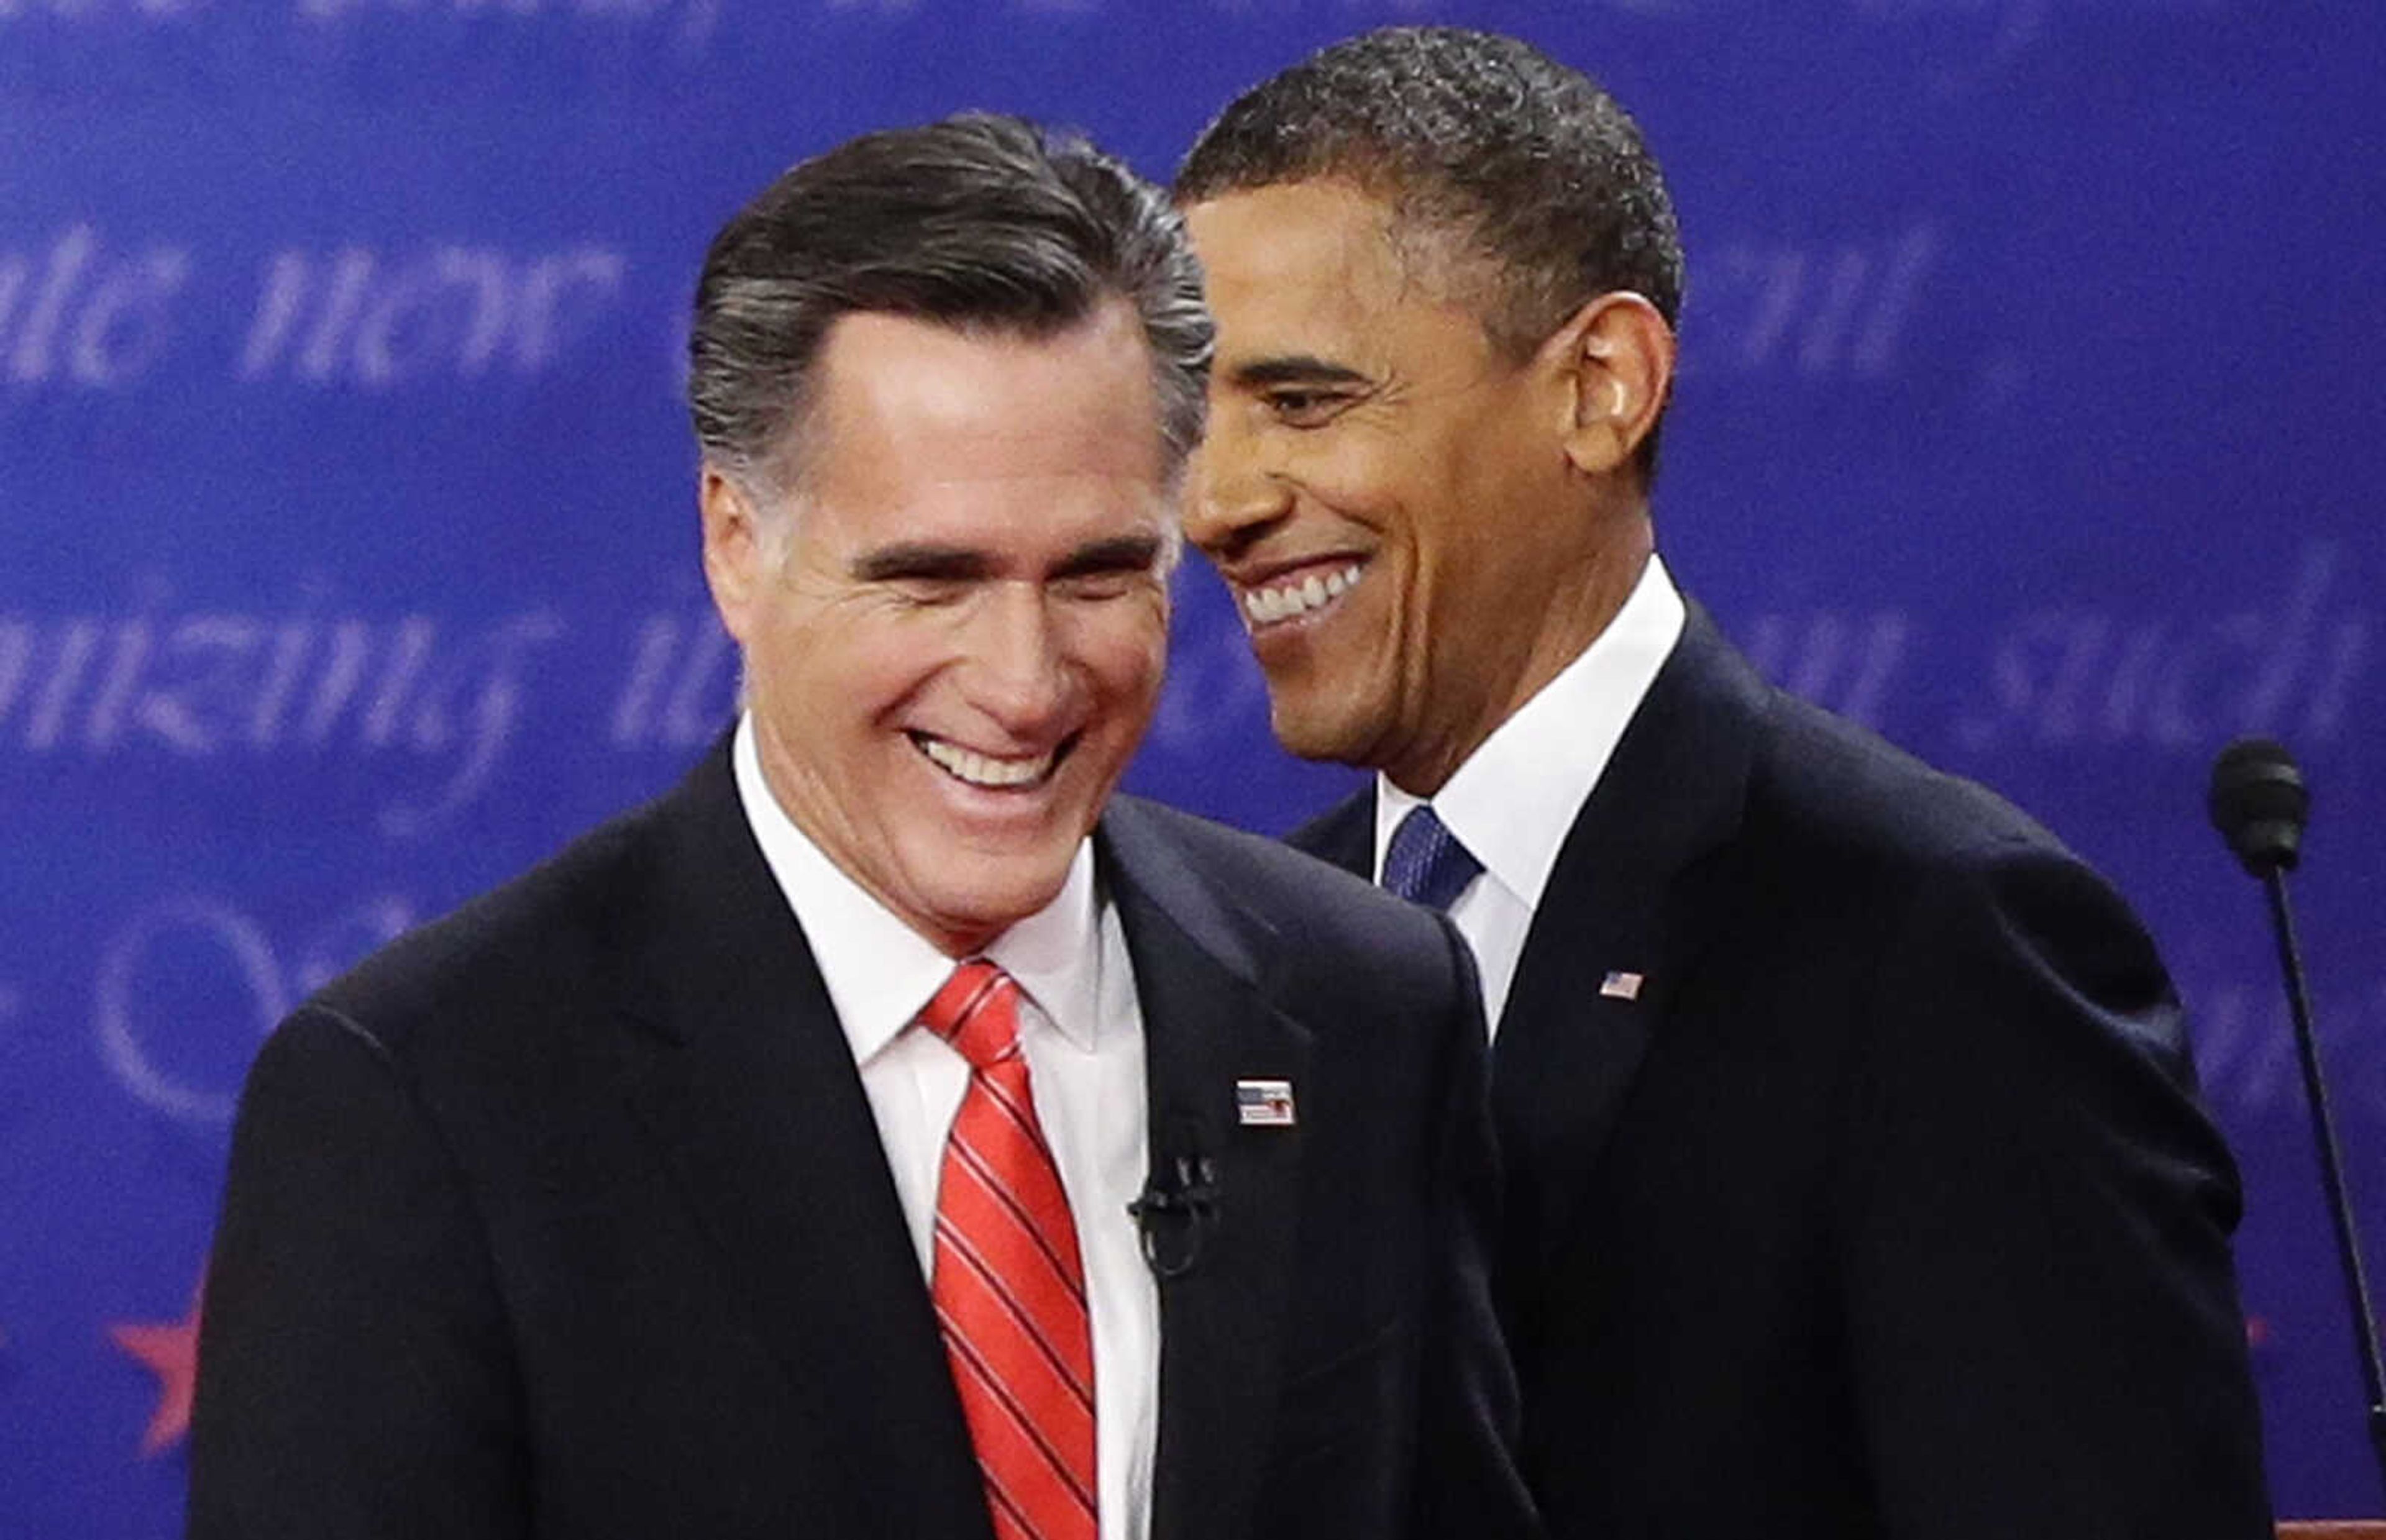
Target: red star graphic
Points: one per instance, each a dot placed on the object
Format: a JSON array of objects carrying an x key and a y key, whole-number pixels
[{"x": 171, "y": 1351}]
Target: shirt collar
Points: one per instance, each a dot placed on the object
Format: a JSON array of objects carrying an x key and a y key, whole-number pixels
[
  {"x": 880, "y": 972},
  {"x": 1513, "y": 800}
]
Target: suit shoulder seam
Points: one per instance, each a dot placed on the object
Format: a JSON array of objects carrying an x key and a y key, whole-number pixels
[{"x": 349, "y": 1025}]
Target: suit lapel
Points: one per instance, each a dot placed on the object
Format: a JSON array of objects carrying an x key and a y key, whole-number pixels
[
  {"x": 1208, "y": 1023},
  {"x": 1344, "y": 835},
  {"x": 1616, "y": 930},
  {"x": 744, "y": 1080},
  {"x": 1626, "y": 896}
]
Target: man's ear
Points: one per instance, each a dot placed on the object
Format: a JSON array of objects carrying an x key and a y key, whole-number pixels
[
  {"x": 1618, "y": 352},
  {"x": 735, "y": 549}
]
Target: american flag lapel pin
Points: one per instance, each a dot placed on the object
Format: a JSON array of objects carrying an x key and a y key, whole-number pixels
[
  {"x": 1620, "y": 985},
  {"x": 1263, "y": 1103}
]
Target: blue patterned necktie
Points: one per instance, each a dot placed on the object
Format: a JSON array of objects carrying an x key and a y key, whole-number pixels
[{"x": 1426, "y": 864}]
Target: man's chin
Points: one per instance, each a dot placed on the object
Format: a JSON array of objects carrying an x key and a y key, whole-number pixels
[
  {"x": 1309, "y": 728},
  {"x": 962, "y": 915}
]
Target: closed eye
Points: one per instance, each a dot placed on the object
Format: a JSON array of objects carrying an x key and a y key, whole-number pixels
[
  {"x": 922, "y": 573},
  {"x": 1104, "y": 586},
  {"x": 931, "y": 593}
]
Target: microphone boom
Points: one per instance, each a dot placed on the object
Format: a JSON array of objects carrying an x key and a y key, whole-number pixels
[{"x": 2259, "y": 804}]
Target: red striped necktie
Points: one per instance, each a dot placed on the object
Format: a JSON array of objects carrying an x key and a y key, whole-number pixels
[{"x": 1010, "y": 1289}]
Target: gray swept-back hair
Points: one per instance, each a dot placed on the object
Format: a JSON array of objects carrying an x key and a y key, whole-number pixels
[
  {"x": 978, "y": 222},
  {"x": 1527, "y": 165}
]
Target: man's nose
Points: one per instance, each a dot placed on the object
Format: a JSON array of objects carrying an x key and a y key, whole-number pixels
[
  {"x": 1233, "y": 495},
  {"x": 1019, "y": 670}
]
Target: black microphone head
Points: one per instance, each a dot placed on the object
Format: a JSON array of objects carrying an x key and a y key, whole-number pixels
[{"x": 2259, "y": 803}]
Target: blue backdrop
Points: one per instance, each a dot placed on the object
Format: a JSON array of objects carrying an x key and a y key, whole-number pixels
[{"x": 2030, "y": 414}]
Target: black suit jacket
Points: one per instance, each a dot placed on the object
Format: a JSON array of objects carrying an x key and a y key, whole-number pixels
[
  {"x": 1887, "y": 1207},
  {"x": 567, "y": 1216}
]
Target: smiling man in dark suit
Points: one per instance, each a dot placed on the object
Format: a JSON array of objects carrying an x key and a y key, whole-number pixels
[
  {"x": 1857, "y": 1184},
  {"x": 763, "y": 1165}
]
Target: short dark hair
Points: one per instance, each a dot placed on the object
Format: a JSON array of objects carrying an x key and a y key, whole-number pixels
[
  {"x": 975, "y": 222},
  {"x": 1527, "y": 162}
]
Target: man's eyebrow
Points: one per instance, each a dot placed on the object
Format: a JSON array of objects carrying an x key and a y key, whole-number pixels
[
  {"x": 920, "y": 560},
  {"x": 1294, "y": 368},
  {"x": 1124, "y": 553}
]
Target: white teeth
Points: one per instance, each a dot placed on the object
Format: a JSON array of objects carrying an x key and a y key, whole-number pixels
[
  {"x": 983, "y": 770},
  {"x": 1265, "y": 606}
]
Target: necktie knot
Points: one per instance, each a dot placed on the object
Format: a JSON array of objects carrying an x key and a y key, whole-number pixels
[
  {"x": 1424, "y": 863},
  {"x": 977, "y": 1012}
]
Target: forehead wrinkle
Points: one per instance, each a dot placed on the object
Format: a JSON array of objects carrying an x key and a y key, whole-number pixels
[
  {"x": 1437, "y": 257},
  {"x": 919, "y": 405},
  {"x": 1432, "y": 247},
  {"x": 1393, "y": 251}
]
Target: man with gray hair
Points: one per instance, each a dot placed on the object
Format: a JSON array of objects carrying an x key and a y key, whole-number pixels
[
  {"x": 1856, "y": 1181},
  {"x": 887, "y": 1132}
]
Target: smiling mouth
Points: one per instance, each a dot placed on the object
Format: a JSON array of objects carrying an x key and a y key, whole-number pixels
[
  {"x": 1295, "y": 598},
  {"x": 989, "y": 771}
]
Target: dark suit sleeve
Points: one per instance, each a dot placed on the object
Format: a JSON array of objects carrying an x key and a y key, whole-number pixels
[
  {"x": 354, "y": 1378},
  {"x": 2043, "y": 1322},
  {"x": 1469, "y": 1485}
]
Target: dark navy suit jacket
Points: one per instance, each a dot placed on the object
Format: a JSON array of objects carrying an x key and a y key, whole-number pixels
[
  {"x": 1887, "y": 1207},
  {"x": 566, "y": 1216}
]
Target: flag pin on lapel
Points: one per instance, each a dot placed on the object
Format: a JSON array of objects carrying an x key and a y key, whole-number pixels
[
  {"x": 1621, "y": 986},
  {"x": 1263, "y": 1103}
]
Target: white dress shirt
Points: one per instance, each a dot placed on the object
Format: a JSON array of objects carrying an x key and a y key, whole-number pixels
[
  {"x": 1517, "y": 796},
  {"x": 1081, "y": 1029}
]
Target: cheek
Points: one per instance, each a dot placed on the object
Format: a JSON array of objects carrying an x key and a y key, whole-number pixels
[
  {"x": 1452, "y": 512},
  {"x": 1457, "y": 554},
  {"x": 1356, "y": 477},
  {"x": 1124, "y": 650},
  {"x": 878, "y": 664}
]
